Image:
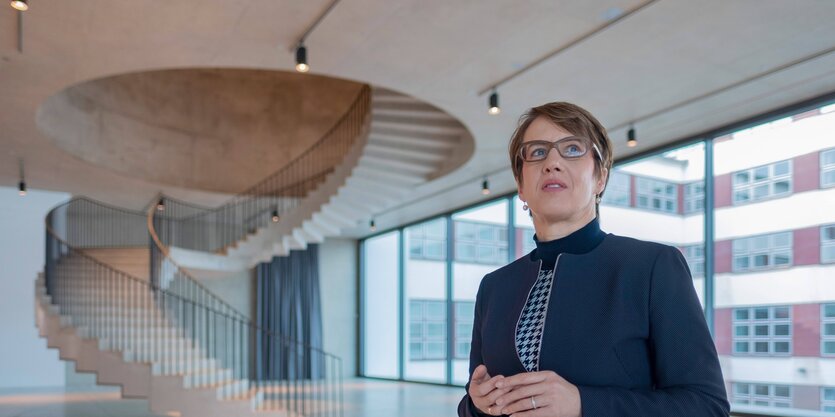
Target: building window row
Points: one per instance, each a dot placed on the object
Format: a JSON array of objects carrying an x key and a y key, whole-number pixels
[
  {"x": 828, "y": 244},
  {"x": 763, "y": 182},
  {"x": 828, "y": 329},
  {"x": 762, "y": 252},
  {"x": 428, "y": 241},
  {"x": 764, "y": 395},
  {"x": 481, "y": 243},
  {"x": 763, "y": 331},
  {"x": 694, "y": 197},
  {"x": 427, "y": 329},
  {"x": 828, "y": 168},
  {"x": 695, "y": 257},
  {"x": 828, "y": 399},
  {"x": 656, "y": 195}
]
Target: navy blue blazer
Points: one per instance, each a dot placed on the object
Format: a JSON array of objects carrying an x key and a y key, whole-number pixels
[{"x": 623, "y": 324}]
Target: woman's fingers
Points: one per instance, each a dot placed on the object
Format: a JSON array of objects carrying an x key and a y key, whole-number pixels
[
  {"x": 480, "y": 374},
  {"x": 519, "y": 393}
]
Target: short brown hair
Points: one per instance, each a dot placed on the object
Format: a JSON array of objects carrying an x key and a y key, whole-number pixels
[{"x": 571, "y": 117}]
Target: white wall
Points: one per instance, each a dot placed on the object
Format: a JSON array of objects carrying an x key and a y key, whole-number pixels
[
  {"x": 795, "y": 285},
  {"x": 25, "y": 360}
]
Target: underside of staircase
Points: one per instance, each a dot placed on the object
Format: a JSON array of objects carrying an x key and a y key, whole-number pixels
[{"x": 408, "y": 144}]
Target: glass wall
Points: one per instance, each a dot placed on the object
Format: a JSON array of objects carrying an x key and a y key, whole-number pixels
[
  {"x": 481, "y": 246},
  {"x": 380, "y": 306},
  {"x": 770, "y": 295},
  {"x": 775, "y": 280},
  {"x": 425, "y": 301},
  {"x": 666, "y": 191}
]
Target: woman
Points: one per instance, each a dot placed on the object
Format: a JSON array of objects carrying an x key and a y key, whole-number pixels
[{"x": 589, "y": 323}]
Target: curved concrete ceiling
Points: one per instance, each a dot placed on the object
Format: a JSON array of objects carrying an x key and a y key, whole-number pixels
[
  {"x": 217, "y": 130},
  {"x": 678, "y": 67}
]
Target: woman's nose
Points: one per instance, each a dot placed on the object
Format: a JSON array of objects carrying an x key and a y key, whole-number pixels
[{"x": 553, "y": 162}]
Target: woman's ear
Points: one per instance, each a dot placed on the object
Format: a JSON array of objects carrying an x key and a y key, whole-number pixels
[{"x": 601, "y": 183}]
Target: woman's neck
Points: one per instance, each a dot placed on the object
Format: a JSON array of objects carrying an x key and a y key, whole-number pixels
[{"x": 547, "y": 230}]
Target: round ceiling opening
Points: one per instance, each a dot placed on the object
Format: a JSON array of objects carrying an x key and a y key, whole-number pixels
[{"x": 218, "y": 130}]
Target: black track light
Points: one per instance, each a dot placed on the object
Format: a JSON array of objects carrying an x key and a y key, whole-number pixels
[
  {"x": 21, "y": 188},
  {"x": 485, "y": 187},
  {"x": 275, "y": 216},
  {"x": 373, "y": 226},
  {"x": 301, "y": 59},
  {"x": 161, "y": 205},
  {"x": 22, "y": 5},
  {"x": 630, "y": 137},
  {"x": 494, "y": 104}
]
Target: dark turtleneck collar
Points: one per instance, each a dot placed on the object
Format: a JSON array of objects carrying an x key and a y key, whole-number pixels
[{"x": 580, "y": 241}]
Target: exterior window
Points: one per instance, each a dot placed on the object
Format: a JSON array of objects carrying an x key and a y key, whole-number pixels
[
  {"x": 527, "y": 240},
  {"x": 828, "y": 168},
  {"x": 481, "y": 243},
  {"x": 828, "y": 399},
  {"x": 828, "y": 244},
  {"x": 695, "y": 256},
  {"x": 828, "y": 329},
  {"x": 428, "y": 241},
  {"x": 617, "y": 190},
  {"x": 764, "y": 395},
  {"x": 427, "y": 330},
  {"x": 694, "y": 197},
  {"x": 763, "y": 331},
  {"x": 464, "y": 311},
  {"x": 656, "y": 195},
  {"x": 762, "y": 252},
  {"x": 762, "y": 182}
]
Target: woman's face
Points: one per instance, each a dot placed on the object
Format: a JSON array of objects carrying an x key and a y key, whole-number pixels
[{"x": 558, "y": 189}]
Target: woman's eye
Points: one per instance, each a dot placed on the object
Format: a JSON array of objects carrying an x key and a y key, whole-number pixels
[{"x": 537, "y": 152}]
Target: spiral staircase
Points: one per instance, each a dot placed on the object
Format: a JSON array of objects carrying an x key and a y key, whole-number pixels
[{"x": 132, "y": 313}]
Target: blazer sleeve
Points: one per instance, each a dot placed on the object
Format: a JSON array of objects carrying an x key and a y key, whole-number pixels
[
  {"x": 466, "y": 408},
  {"x": 686, "y": 373}
]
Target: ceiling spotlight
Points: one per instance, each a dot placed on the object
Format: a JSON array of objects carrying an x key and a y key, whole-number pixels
[
  {"x": 630, "y": 138},
  {"x": 22, "y": 5},
  {"x": 301, "y": 59},
  {"x": 485, "y": 187},
  {"x": 21, "y": 188},
  {"x": 494, "y": 104},
  {"x": 161, "y": 204},
  {"x": 373, "y": 226},
  {"x": 275, "y": 216}
]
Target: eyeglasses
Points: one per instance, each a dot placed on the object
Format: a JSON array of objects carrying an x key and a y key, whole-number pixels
[{"x": 572, "y": 147}]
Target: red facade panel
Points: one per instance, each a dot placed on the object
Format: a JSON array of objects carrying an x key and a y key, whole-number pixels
[
  {"x": 806, "y": 327},
  {"x": 723, "y": 256},
  {"x": 806, "y": 172},
  {"x": 722, "y": 329},
  {"x": 722, "y": 190},
  {"x": 807, "y": 246}
]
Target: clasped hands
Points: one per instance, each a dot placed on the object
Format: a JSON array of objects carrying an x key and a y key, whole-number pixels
[{"x": 529, "y": 394}]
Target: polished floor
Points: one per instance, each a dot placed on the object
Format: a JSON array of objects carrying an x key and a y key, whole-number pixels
[{"x": 363, "y": 398}]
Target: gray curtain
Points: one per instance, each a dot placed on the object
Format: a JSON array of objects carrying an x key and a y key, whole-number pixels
[{"x": 289, "y": 308}]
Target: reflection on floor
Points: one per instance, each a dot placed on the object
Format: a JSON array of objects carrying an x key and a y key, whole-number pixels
[{"x": 363, "y": 398}]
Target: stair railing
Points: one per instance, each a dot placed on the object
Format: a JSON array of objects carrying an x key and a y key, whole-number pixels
[{"x": 191, "y": 334}]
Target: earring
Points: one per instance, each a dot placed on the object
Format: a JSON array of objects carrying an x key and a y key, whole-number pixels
[
  {"x": 597, "y": 199},
  {"x": 524, "y": 206}
]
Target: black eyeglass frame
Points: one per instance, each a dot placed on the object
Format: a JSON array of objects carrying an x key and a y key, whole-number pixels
[{"x": 555, "y": 145}]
